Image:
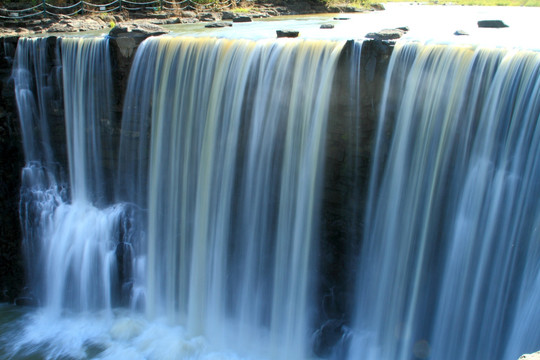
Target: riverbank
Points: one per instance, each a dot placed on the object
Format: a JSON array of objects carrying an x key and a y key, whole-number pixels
[{"x": 53, "y": 24}]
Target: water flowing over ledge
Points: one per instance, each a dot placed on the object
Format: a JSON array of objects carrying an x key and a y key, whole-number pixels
[
  {"x": 450, "y": 252},
  {"x": 221, "y": 216}
]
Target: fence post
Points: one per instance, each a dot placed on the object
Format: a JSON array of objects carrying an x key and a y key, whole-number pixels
[
  {"x": 120, "y": 5},
  {"x": 161, "y": 5},
  {"x": 44, "y": 8}
]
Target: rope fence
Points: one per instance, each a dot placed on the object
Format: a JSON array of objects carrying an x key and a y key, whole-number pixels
[{"x": 85, "y": 7}]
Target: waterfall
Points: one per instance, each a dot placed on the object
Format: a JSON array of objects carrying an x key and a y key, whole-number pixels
[
  {"x": 69, "y": 242},
  {"x": 449, "y": 265},
  {"x": 207, "y": 218},
  {"x": 204, "y": 223},
  {"x": 237, "y": 137}
]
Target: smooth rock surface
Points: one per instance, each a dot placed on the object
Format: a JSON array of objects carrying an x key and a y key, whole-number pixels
[
  {"x": 495, "y": 24},
  {"x": 217, "y": 25},
  {"x": 287, "y": 33},
  {"x": 242, "y": 19},
  {"x": 386, "y": 34}
]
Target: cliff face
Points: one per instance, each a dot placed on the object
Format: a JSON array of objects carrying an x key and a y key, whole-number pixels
[
  {"x": 11, "y": 163},
  {"x": 351, "y": 132}
]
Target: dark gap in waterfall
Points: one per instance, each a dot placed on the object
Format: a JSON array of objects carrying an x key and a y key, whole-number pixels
[{"x": 352, "y": 123}]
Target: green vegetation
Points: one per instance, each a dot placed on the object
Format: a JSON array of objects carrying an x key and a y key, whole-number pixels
[
  {"x": 352, "y": 3},
  {"x": 241, "y": 10},
  {"x": 479, "y": 2}
]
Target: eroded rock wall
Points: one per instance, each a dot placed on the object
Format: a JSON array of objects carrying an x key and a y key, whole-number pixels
[{"x": 11, "y": 163}]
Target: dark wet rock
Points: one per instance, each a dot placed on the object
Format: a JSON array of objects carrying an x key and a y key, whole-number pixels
[
  {"x": 227, "y": 15},
  {"x": 12, "y": 272},
  {"x": 217, "y": 25},
  {"x": 386, "y": 34},
  {"x": 327, "y": 26},
  {"x": 124, "y": 259},
  {"x": 330, "y": 339},
  {"x": 127, "y": 37},
  {"x": 282, "y": 10},
  {"x": 26, "y": 301},
  {"x": 242, "y": 19},
  {"x": 495, "y": 24},
  {"x": 403, "y": 28},
  {"x": 287, "y": 33},
  {"x": 207, "y": 17},
  {"x": 461, "y": 33},
  {"x": 341, "y": 18},
  {"x": 378, "y": 7}
]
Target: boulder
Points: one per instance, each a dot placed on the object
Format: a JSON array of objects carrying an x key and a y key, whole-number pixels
[
  {"x": 188, "y": 14},
  {"x": 327, "y": 26},
  {"x": 128, "y": 36},
  {"x": 461, "y": 33},
  {"x": 227, "y": 15},
  {"x": 189, "y": 20},
  {"x": 74, "y": 25},
  {"x": 136, "y": 30},
  {"x": 207, "y": 17},
  {"x": 241, "y": 19},
  {"x": 287, "y": 33},
  {"x": 495, "y": 24},
  {"x": 386, "y": 34},
  {"x": 217, "y": 25}
]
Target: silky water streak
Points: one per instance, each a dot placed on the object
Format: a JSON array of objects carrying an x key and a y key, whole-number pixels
[
  {"x": 236, "y": 154},
  {"x": 449, "y": 266},
  {"x": 70, "y": 231}
]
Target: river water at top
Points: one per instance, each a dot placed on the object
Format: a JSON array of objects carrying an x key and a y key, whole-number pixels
[{"x": 426, "y": 23}]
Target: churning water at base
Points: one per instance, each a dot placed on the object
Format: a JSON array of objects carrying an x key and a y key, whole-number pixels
[
  {"x": 449, "y": 266},
  {"x": 220, "y": 160},
  {"x": 69, "y": 244}
]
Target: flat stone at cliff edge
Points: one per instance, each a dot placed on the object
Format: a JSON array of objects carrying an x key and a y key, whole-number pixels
[
  {"x": 492, "y": 24},
  {"x": 287, "y": 33},
  {"x": 136, "y": 30}
]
